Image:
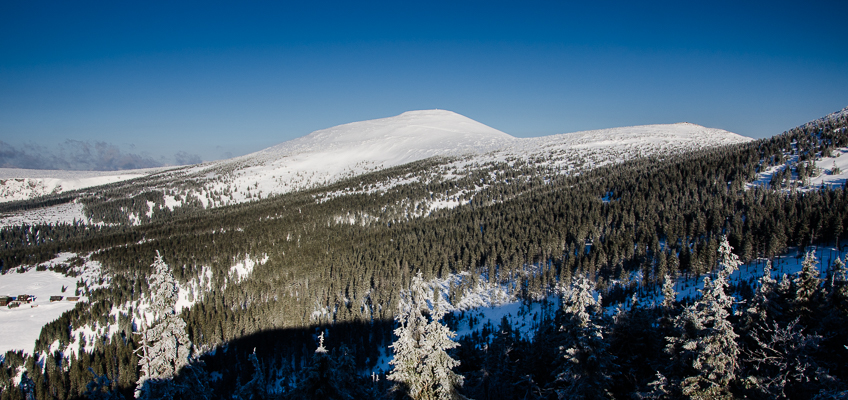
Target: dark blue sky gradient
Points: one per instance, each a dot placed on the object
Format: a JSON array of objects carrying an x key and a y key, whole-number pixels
[{"x": 223, "y": 78}]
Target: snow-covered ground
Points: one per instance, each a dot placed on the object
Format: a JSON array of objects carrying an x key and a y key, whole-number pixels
[
  {"x": 20, "y": 327},
  {"x": 348, "y": 150},
  {"x": 328, "y": 155},
  {"x": 66, "y": 213},
  {"x": 788, "y": 264},
  {"x": 834, "y": 169},
  {"x": 831, "y": 170},
  {"x": 526, "y": 316},
  {"x": 22, "y": 184}
]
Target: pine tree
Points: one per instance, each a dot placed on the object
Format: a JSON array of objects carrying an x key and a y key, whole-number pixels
[
  {"x": 585, "y": 368},
  {"x": 808, "y": 290},
  {"x": 669, "y": 295},
  {"x": 705, "y": 347},
  {"x": 165, "y": 347},
  {"x": 422, "y": 366},
  {"x": 839, "y": 288}
]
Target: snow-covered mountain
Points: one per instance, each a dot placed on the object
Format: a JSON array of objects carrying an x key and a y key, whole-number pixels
[
  {"x": 22, "y": 184},
  {"x": 330, "y": 155}
]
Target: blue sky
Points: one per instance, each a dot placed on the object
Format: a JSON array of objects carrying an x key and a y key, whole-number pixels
[{"x": 207, "y": 80}]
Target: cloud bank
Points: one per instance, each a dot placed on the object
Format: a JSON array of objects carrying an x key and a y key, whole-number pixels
[{"x": 76, "y": 155}]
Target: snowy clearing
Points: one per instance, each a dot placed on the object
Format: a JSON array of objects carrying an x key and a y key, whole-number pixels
[
  {"x": 22, "y": 184},
  {"x": 67, "y": 213},
  {"x": 20, "y": 327}
]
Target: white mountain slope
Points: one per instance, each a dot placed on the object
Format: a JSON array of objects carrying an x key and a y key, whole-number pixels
[
  {"x": 336, "y": 153},
  {"x": 343, "y": 151},
  {"x": 22, "y": 184},
  {"x": 328, "y": 155}
]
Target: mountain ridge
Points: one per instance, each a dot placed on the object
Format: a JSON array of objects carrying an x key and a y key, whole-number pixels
[{"x": 329, "y": 155}]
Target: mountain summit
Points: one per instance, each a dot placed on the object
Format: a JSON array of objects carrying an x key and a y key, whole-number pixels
[
  {"x": 330, "y": 155},
  {"x": 407, "y": 137}
]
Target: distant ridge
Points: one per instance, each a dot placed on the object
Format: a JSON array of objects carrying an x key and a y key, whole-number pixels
[{"x": 329, "y": 155}]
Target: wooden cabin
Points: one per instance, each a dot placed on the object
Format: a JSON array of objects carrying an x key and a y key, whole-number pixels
[{"x": 25, "y": 299}]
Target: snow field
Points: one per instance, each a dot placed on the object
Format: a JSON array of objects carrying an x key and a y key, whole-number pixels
[
  {"x": 242, "y": 270},
  {"x": 788, "y": 264},
  {"x": 829, "y": 177},
  {"x": 21, "y": 184},
  {"x": 833, "y": 171},
  {"x": 20, "y": 327},
  {"x": 66, "y": 213},
  {"x": 340, "y": 152}
]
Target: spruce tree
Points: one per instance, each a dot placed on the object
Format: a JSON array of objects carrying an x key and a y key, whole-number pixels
[
  {"x": 808, "y": 291},
  {"x": 669, "y": 295},
  {"x": 705, "y": 349},
  {"x": 165, "y": 347},
  {"x": 256, "y": 387},
  {"x": 839, "y": 289},
  {"x": 763, "y": 306},
  {"x": 328, "y": 376},
  {"x": 422, "y": 367},
  {"x": 586, "y": 367}
]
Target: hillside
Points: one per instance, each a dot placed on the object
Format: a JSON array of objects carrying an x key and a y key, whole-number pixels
[
  {"x": 516, "y": 224},
  {"x": 334, "y": 154}
]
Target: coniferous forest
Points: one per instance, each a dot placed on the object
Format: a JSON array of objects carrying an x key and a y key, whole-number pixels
[{"x": 339, "y": 280}]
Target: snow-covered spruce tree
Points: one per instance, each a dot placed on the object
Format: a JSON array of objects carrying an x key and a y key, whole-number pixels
[
  {"x": 704, "y": 347},
  {"x": 422, "y": 367},
  {"x": 765, "y": 307},
  {"x": 165, "y": 347},
  {"x": 762, "y": 304},
  {"x": 838, "y": 288},
  {"x": 669, "y": 295},
  {"x": 808, "y": 291},
  {"x": 585, "y": 367}
]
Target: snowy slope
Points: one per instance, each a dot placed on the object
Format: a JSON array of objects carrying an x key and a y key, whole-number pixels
[
  {"x": 22, "y": 184},
  {"x": 678, "y": 136},
  {"x": 328, "y": 155},
  {"x": 60, "y": 214},
  {"x": 332, "y": 154},
  {"x": 20, "y": 327},
  {"x": 830, "y": 172},
  {"x": 340, "y": 152}
]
